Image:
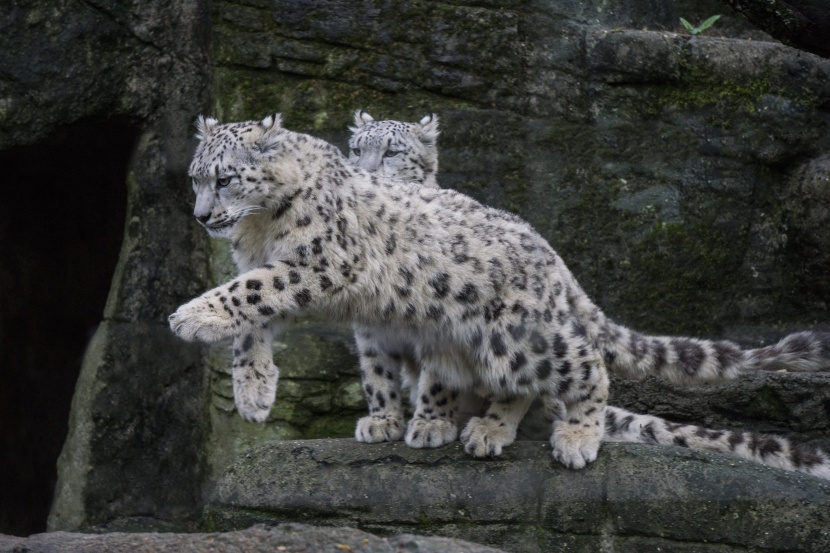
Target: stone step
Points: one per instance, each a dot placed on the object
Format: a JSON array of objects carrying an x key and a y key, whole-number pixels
[{"x": 634, "y": 498}]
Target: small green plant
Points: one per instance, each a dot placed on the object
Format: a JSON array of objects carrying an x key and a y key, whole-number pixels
[{"x": 703, "y": 26}]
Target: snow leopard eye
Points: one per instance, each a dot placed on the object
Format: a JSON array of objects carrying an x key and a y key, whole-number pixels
[
  {"x": 391, "y": 153},
  {"x": 356, "y": 151},
  {"x": 222, "y": 182}
]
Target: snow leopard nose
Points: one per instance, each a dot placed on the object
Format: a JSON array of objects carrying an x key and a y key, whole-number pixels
[
  {"x": 202, "y": 217},
  {"x": 370, "y": 161}
]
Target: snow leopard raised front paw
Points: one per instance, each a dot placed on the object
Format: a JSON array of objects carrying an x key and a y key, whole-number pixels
[
  {"x": 202, "y": 319},
  {"x": 422, "y": 433},
  {"x": 375, "y": 429},
  {"x": 486, "y": 437},
  {"x": 575, "y": 445},
  {"x": 254, "y": 392}
]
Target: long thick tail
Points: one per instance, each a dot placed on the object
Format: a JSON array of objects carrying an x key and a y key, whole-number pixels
[
  {"x": 694, "y": 361},
  {"x": 689, "y": 361},
  {"x": 773, "y": 451}
]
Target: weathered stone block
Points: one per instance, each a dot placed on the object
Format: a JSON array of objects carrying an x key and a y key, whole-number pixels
[{"x": 632, "y": 496}]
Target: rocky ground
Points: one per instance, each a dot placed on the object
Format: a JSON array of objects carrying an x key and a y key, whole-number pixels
[{"x": 288, "y": 538}]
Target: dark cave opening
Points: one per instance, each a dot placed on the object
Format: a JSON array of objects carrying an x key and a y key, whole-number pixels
[{"x": 61, "y": 227}]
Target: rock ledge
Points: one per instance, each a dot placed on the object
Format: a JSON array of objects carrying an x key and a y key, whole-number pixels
[{"x": 634, "y": 498}]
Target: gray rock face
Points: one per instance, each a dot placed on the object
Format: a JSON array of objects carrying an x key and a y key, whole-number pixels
[
  {"x": 794, "y": 405},
  {"x": 138, "y": 426},
  {"x": 291, "y": 538},
  {"x": 801, "y": 23},
  {"x": 681, "y": 178},
  {"x": 634, "y": 498}
]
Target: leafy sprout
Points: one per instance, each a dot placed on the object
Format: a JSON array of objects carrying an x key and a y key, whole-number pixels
[{"x": 702, "y": 27}]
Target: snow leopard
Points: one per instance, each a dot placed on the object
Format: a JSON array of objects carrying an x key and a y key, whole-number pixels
[
  {"x": 494, "y": 309},
  {"x": 398, "y": 148}
]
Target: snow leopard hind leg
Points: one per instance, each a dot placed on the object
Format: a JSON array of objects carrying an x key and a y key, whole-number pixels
[
  {"x": 485, "y": 436},
  {"x": 386, "y": 357},
  {"x": 437, "y": 387},
  {"x": 523, "y": 359},
  {"x": 434, "y": 422}
]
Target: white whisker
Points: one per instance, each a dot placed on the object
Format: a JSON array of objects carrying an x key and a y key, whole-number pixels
[{"x": 248, "y": 210}]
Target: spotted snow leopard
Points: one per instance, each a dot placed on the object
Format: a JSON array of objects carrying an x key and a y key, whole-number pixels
[
  {"x": 396, "y": 148},
  {"x": 493, "y": 308}
]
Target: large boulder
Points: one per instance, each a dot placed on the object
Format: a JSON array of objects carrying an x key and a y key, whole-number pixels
[{"x": 634, "y": 498}]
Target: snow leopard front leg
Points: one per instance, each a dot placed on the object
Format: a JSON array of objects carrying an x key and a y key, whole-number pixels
[
  {"x": 486, "y": 436},
  {"x": 380, "y": 371},
  {"x": 255, "y": 375},
  {"x": 253, "y": 299},
  {"x": 434, "y": 422}
]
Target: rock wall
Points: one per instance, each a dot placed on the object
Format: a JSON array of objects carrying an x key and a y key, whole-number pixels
[{"x": 138, "y": 425}]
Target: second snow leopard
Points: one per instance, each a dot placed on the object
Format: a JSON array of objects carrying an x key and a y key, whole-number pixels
[
  {"x": 397, "y": 148},
  {"x": 405, "y": 152},
  {"x": 494, "y": 309}
]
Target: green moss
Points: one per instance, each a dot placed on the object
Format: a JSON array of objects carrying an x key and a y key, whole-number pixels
[
  {"x": 766, "y": 405},
  {"x": 681, "y": 276},
  {"x": 331, "y": 427},
  {"x": 696, "y": 91},
  {"x": 424, "y": 522},
  {"x": 315, "y": 105}
]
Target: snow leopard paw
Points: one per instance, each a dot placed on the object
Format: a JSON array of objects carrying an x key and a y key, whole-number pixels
[
  {"x": 373, "y": 429},
  {"x": 575, "y": 445},
  {"x": 486, "y": 437},
  {"x": 202, "y": 319},
  {"x": 422, "y": 433},
  {"x": 254, "y": 391}
]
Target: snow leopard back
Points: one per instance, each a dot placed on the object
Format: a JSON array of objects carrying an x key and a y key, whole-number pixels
[{"x": 396, "y": 149}]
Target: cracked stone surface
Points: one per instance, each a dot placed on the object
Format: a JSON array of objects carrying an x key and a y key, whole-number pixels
[{"x": 633, "y": 498}]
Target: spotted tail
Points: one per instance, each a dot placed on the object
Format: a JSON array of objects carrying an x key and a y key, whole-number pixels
[
  {"x": 692, "y": 361},
  {"x": 772, "y": 451}
]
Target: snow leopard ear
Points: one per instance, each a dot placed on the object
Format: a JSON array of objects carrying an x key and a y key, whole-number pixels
[
  {"x": 429, "y": 128},
  {"x": 273, "y": 121},
  {"x": 204, "y": 125},
  {"x": 362, "y": 118},
  {"x": 270, "y": 127}
]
